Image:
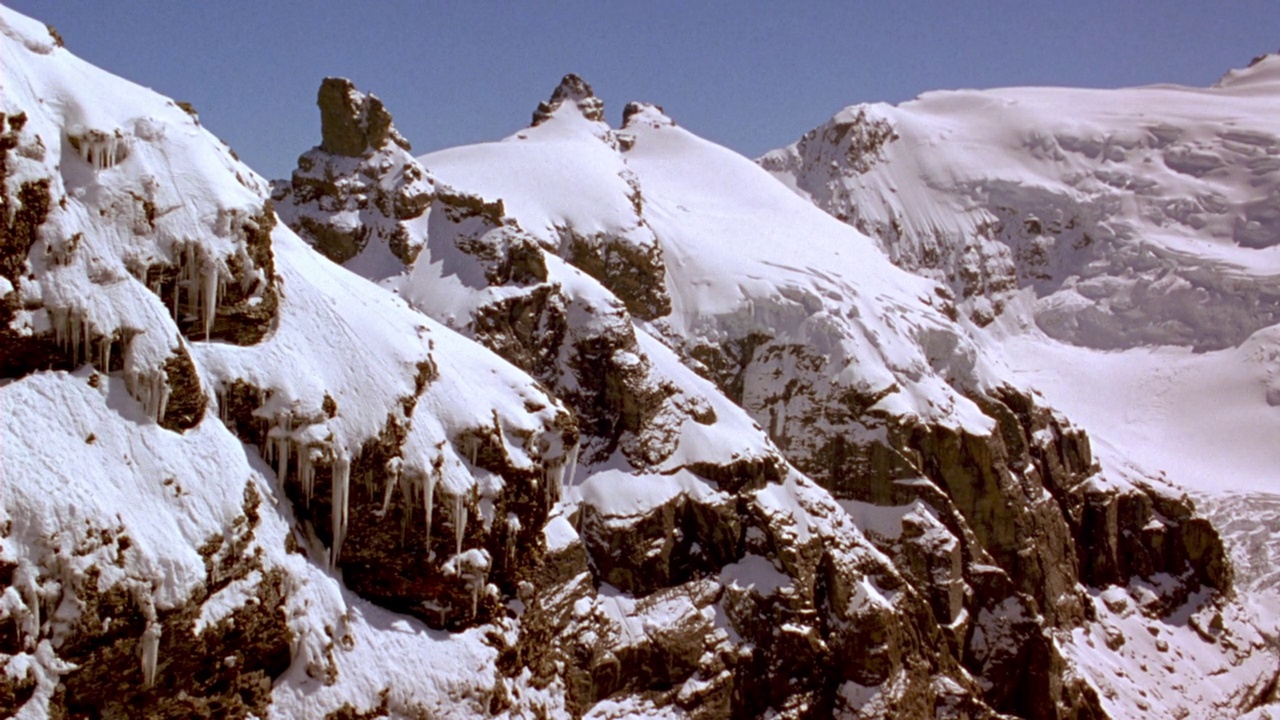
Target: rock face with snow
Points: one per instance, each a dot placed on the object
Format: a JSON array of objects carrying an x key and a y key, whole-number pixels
[
  {"x": 1070, "y": 221},
  {"x": 585, "y": 422}
]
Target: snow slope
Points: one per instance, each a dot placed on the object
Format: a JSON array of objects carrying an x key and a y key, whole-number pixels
[{"x": 1116, "y": 250}]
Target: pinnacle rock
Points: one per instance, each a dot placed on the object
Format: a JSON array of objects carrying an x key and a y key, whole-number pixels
[{"x": 351, "y": 122}]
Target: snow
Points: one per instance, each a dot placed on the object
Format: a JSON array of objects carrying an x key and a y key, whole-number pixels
[
  {"x": 617, "y": 494},
  {"x": 755, "y": 573},
  {"x": 1138, "y": 663},
  {"x": 743, "y": 254},
  {"x": 1160, "y": 339},
  {"x": 565, "y": 152},
  {"x": 145, "y": 478},
  {"x": 1124, "y": 243},
  {"x": 222, "y": 603},
  {"x": 1200, "y": 420}
]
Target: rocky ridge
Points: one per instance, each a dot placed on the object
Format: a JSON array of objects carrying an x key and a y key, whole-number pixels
[
  {"x": 533, "y": 471},
  {"x": 951, "y": 544}
]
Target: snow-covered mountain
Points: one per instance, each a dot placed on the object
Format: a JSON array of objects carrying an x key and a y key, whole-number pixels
[
  {"x": 589, "y": 421},
  {"x": 1118, "y": 248}
]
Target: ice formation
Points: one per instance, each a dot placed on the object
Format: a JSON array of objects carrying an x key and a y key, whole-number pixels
[
  {"x": 341, "y": 500},
  {"x": 150, "y": 644},
  {"x": 459, "y": 521},
  {"x": 100, "y": 149}
]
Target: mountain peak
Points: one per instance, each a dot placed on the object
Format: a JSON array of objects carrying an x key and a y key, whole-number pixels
[
  {"x": 577, "y": 90},
  {"x": 1262, "y": 72},
  {"x": 351, "y": 122},
  {"x": 650, "y": 114}
]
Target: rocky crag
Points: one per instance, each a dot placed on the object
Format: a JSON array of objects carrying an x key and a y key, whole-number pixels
[{"x": 532, "y": 463}]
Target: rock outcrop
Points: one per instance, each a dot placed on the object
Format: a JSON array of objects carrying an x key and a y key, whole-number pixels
[{"x": 359, "y": 186}]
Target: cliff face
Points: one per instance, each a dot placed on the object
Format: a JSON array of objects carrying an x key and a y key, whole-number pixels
[{"x": 613, "y": 424}]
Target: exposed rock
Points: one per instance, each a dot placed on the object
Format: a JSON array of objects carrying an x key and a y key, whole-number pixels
[
  {"x": 363, "y": 170},
  {"x": 352, "y": 123},
  {"x": 575, "y": 90},
  {"x": 634, "y": 273}
]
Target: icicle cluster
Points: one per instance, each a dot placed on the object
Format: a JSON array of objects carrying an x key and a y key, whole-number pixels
[
  {"x": 73, "y": 332},
  {"x": 472, "y": 567},
  {"x": 429, "y": 500},
  {"x": 99, "y": 149},
  {"x": 151, "y": 389},
  {"x": 20, "y": 602},
  {"x": 556, "y": 471},
  {"x": 202, "y": 278}
]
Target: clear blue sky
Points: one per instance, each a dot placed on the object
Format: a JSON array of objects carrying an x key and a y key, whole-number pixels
[{"x": 750, "y": 75}]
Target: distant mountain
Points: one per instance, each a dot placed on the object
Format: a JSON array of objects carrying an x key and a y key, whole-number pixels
[
  {"x": 1117, "y": 250},
  {"x": 588, "y": 422}
]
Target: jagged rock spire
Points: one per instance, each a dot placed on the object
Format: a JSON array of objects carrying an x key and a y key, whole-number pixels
[
  {"x": 351, "y": 122},
  {"x": 577, "y": 90}
]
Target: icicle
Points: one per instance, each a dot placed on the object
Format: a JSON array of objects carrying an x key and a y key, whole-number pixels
[
  {"x": 475, "y": 595},
  {"x": 106, "y": 354},
  {"x": 573, "y": 461},
  {"x": 475, "y": 446},
  {"x": 557, "y": 477},
  {"x": 33, "y": 636},
  {"x": 406, "y": 496},
  {"x": 392, "y": 481},
  {"x": 306, "y": 473},
  {"x": 460, "y": 522},
  {"x": 210, "y": 298},
  {"x": 150, "y": 652},
  {"x": 163, "y": 404},
  {"x": 429, "y": 501},
  {"x": 76, "y": 325},
  {"x": 56, "y": 319},
  {"x": 339, "y": 511},
  {"x": 513, "y": 530},
  {"x": 282, "y": 464},
  {"x": 188, "y": 274}
]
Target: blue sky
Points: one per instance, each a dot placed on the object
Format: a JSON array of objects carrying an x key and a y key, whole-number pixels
[{"x": 750, "y": 75}]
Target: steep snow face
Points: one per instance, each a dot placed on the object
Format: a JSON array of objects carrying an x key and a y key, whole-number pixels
[
  {"x": 1139, "y": 216},
  {"x": 747, "y": 258},
  {"x": 567, "y": 184},
  {"x": 1106, "y": 219}
]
